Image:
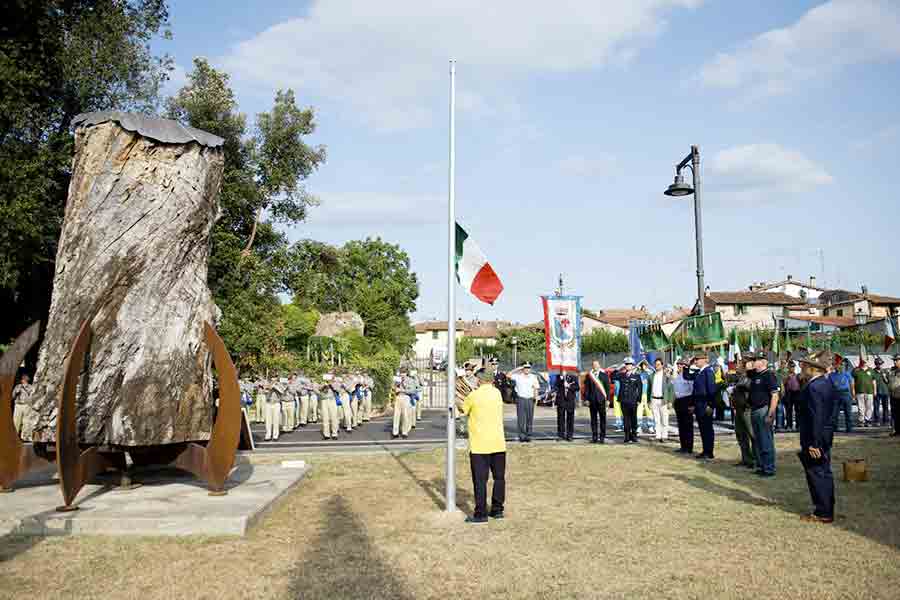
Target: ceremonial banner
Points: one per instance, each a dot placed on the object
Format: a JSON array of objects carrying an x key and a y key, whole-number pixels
[
  {"x": 704, "y": 331},
  {"x": 654, "y": 338},
  {"x": 562, "y": 332}
]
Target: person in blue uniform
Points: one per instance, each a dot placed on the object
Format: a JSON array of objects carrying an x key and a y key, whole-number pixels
[
  {"x": 566, "y": 393},
  {"x": 704, "y": 395},
  {"x": 631, "y": 388},
  {"x": 816, "y": 409}
]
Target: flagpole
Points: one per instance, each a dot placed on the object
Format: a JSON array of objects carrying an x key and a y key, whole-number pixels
[{"x": 451, "y": 305}]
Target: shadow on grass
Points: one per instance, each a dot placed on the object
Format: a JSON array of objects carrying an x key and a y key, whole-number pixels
[
  {"x": 873, "y": 503},
  {"x": 343, "y": 563},
  {"x": 435, "y": 487}
]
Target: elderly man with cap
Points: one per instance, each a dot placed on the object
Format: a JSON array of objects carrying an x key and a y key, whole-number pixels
[
  {"x": 631, "y": 388},
  {"x": 740, "y": 406},
  {"x": 487, "y": 446},
  {"x": 526, "y": 387},
  {"x": 893, "y": 382},
  {"x": 864, "y": 383},
  {"x": 882, "y": 413},
  {"x": 704, "y": 397},
  {"x": 843, "y": 385},
  {"x": 815, "y": 410},
  {"x": 764, "y": 394},
  {"x": 684, "y": 393}
]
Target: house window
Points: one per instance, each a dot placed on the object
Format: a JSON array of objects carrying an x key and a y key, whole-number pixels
[
  {"x": 840, "y": 312},
  {"x": 740, "y": 309},
  {"x": 434, "y": 334}
]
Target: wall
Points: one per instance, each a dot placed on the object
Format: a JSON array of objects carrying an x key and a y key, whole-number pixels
[{"x": 754, "y": 315}]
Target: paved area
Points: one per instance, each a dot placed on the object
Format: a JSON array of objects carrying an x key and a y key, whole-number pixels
[{"x": 170, "y": 502}]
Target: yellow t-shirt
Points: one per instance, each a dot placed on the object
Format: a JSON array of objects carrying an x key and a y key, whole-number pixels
[{"x": 484, "y": 408}]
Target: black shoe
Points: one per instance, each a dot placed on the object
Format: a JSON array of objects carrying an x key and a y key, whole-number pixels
[
  {"x": 394, "y": 436},
  {"x": 404, "y": 436},
  {"x": 528, "y": 440},
  {"x": 476, "y": 519},
  {"x": 496, "y": 514},
  {"x": 594, "y": 440},
  {"x": 601, "y": 441},
  {"x": 568, "y": 438}
]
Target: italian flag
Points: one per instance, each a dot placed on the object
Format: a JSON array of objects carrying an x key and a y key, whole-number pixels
[{"x": 473, "y": 271}]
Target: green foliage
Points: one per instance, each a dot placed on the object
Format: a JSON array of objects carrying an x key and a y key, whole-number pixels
[
  {"x": 58, "y": 59},
  {"x": 528, "y": 339},
  {"x": 299, "y": 326},
  {"x": 381, "y": 366},
  {"x": 601, "y": 341}
]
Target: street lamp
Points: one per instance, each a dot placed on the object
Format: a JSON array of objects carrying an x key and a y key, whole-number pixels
[{"x": 681, "y": 188}]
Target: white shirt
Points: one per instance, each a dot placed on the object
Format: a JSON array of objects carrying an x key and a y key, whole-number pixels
[
  {"x": 657, "y": 391},
  {"x": 525, "y": 384}
]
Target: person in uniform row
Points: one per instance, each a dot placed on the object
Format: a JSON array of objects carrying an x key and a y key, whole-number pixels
[
  {"x": 596, "y": 392},
  {"x": 630, "y": 391},
  {"x": 525, "y": 387},
  {"x": 20, "y": 395},
  {"x": 661, "y": 392},
  {"x": 269, "y": 399},
  {"x": 286, "y": 392},
  {"x": 816, "y": 409},
  {"x": 893, "y": 384},
  {"x": 763, "y": 404},
  {"x": 743, "y": 425},
  {"x": 413, "y": 388},
  {"x": 402, "y": 417},
  {"x": 684, "y": 408},
  {"x": 566, "y": 399}
]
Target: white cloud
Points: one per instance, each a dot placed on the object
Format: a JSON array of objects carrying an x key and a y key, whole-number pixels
[
  {"x": 830, "y": 37},
  {"x": 353, "y": 209},
  {"x": 585, "y": 166},
  {"x": 761, "y": 171},
  {"x": 387, "y": 61}
]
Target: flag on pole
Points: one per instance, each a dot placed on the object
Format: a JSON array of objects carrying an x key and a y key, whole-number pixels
[
  {"x": 734, "y": 349},
  {"x": 788, "y": 345},
  {"x": 473, "y": 271},
  {"x": 775, "y": 343},
  {"x": 754, "y": 342},
  {"x": 863, "y": 355},
  {"x": 890, "y": 333},
  {"x": 808, "y": 340},
  {"x": 562, "y": 332}
]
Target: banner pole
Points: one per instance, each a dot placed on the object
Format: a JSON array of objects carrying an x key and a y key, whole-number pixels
[{"x": 450, "y": 474}]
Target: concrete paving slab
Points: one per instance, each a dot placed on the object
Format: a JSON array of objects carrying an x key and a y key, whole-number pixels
[{"x": 170, "y": 502}]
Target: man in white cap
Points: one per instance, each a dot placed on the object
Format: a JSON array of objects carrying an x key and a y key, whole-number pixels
[{"x": 631, "y": 388}]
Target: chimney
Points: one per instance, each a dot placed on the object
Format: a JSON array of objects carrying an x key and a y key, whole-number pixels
[
  {"x": 790, "y": 277},
  {"x": 865, "y": 290},
  {"x": 812, "y": 281}
]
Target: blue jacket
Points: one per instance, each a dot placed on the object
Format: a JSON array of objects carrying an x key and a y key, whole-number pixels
[{"x": 705, "y": 387}]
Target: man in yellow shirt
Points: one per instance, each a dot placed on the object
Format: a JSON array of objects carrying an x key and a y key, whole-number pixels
[{"x": 487, "y": 446}]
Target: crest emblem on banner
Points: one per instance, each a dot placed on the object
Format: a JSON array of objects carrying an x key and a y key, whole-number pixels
[
  {"x": 562, "y": 332},
  {"x": 563, "y": 327}
]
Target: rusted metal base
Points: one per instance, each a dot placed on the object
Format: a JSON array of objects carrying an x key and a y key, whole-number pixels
[
  {"x": 220, "y": 493},
  {"x": 66, "y": 508},
  {"x": 212, "y": 463},
  {"x": 16, "y": 458}
]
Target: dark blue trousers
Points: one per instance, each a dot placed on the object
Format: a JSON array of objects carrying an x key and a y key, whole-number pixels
[
  {"x": 685, "y": 423},
  {"x": 705, "y": 424},
  {"x": 845, "y": 403},
  {"x": 820, "y": 481}
]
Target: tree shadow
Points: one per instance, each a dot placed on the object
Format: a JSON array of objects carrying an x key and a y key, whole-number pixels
[
  {"x": 343, "y": 563},
  {"x": 465, "y": 501},
  {"x": 878, "y": 502}
]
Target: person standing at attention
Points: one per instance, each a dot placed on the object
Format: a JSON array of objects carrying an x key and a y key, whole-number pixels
[
  {"x": 684, "y": 391},
  {"x": 566, "y": 398},
  {"x": 526, "y": 391},
  {"x": 630, "y": 390},
  {"x": 660, "y": 398},
  {"x": 596, "y": 392},
  {"x": 763, "y": 404},
  {"x": 487, "y": 446},
  {"x": 815, "y": 410},
  {"x": 864, "y": 382},
  {"x": 704, "y": 394},
  {"x": 843, "y": 385}
]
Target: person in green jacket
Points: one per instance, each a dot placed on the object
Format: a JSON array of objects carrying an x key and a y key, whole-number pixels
[{"x": 740, "y": 405}]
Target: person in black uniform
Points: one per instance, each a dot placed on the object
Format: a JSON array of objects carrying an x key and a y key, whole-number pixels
[
  {"x": 566, "y": 392},
  {"x": 630, "y": 389},
  {"x": 596, "y": 392},
  {"x": 704, "y": 395},
  {"x": 815, "y": 410}
]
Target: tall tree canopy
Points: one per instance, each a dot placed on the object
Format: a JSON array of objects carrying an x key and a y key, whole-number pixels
[{"x": 59, "y": 58}]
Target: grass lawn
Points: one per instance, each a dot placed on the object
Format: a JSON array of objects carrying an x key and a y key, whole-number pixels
[{"x": 582, "y": 522}]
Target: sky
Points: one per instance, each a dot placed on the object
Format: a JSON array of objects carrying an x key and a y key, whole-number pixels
[{"x": 570, "y": 118}]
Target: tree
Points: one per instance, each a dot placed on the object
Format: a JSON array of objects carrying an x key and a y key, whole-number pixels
[
  {"x": 59, "y": 58},
  {"x": 263, "y": 172}
]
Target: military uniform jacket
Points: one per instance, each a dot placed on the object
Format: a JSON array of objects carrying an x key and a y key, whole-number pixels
[
  {"x": 566, "y": 389},
  {"x": 631, "y": 387},
  {"x": 894, "y": 382},
  {"x": 817, "y": 401}
]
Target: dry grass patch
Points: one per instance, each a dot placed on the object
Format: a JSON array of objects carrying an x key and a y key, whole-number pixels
[{"x": 582, "y": 522}]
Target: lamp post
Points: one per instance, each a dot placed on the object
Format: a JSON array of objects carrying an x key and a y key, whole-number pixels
[
  {"x": 680, "y": 188},
  {"x": 515, "y": 345}
]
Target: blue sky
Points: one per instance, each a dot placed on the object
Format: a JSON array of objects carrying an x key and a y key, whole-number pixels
[{"x": 571, "y": 116}]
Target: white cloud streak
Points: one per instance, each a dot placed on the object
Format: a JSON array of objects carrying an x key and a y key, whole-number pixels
[
  {"x": 386, "y": 62},
  {"x": 828, "y": 38},
  {"x": 763, "y": 171}
]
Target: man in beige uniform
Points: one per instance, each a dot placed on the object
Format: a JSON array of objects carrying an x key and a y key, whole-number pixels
[
  {"x": 271, "y": 402},
  {"x": 329, "y": 408},
  {"x": 402, "y": 416},
  {"x": 365, "y": 402},
  {"x": 20, "y": 395}
]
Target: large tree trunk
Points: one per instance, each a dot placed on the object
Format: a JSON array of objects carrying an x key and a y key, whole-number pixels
[{"x": 133, "y": 251}]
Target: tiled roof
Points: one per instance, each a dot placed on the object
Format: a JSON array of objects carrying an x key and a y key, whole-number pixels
[
  {"x": 426, "y": 326},
  {"x": 833, "y": 321},
  {"x": 617, "y": 316},
  {"x": 878, "y": 299},
  {"x": 753, "y": 298}
]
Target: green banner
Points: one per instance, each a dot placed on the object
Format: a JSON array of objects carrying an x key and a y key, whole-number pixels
[
  {"x": 703, "y": 331},
  {"x": 653, "y": 338}
]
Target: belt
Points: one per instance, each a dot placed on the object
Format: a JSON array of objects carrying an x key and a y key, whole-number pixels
[{"x": 657, "y": 397}]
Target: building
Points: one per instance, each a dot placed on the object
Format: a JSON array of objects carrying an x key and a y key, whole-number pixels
[
  {"x": 434, "y": 335},
  {"x": 745, "y": 310},
  {"x": 842, "y": 303},
  {"x": 613, "y": 320},
  {"x": 805, "y": 292}
]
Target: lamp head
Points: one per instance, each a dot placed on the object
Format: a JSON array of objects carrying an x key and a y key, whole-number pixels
[{"x": 679, "y": 187}]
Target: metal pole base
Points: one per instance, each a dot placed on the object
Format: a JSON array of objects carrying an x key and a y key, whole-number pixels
[
  {"x": 67, "y": 508},
  {"x": 6, "y": 490},
  {"x": 218, "y": 492}
]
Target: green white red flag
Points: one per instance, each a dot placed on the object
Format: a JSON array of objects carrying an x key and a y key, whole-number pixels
[{"x": 473, "y": 271}]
